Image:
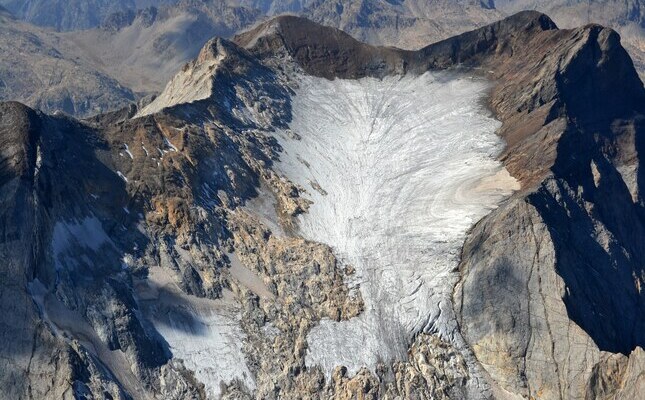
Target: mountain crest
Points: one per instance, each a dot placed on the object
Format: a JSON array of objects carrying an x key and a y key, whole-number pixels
[{"x": 195, "y": 80}]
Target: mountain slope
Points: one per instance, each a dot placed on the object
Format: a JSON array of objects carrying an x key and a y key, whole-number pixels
[
  {"x": 209, "y": 205},
  {"x": 145, "y": 48},
  {"x": 73, "y": 15},
  {"x": 43, "y": 70},
  {"x": 626, "y": 17}
]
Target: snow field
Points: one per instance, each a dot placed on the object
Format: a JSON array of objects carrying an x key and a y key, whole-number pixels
[{"x": 406, "y": 166}]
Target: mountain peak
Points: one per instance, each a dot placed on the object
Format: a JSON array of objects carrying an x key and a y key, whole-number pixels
[
  {"x": 195, "y": 80},
  {"x": 530, "y": 19},
  {"x": 290, "y": 28},
  {"x": 320, "y": 50}
]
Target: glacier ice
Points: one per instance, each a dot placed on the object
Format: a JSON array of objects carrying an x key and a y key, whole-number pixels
[{"x": 398, "y": 170}]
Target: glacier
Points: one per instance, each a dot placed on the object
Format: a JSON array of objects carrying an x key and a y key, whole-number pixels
[{"x": 398, "y": 170}]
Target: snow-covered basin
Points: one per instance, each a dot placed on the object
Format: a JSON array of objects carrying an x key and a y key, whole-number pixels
[
  {"x": 398, "y": 170},
  {"x": 205, "y": 334}
]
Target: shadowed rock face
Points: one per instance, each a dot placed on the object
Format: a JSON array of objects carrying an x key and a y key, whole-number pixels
[{"x": 103, "y": 217}]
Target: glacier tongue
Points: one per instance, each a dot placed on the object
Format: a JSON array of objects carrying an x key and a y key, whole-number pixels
[{"x": 398, "y": 170}]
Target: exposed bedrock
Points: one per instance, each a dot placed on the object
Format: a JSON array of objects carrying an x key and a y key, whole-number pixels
[{"x": 553, "y": 278}]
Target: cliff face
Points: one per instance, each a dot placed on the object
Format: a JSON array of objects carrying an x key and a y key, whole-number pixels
[
  {"x": 138, "y": 241},
  {"x": 567, "y": 246}
]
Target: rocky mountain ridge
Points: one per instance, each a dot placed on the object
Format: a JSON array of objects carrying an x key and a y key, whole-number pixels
[
  {"x": 134, "y": 47},
  {"x": 106, "y": 218},
  {"x": 74, "y": 15}
]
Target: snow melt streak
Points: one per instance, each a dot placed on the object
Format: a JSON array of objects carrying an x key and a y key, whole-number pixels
[{"x": 399, "y": 162}]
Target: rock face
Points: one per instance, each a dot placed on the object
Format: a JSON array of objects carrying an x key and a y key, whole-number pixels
[
  {"x": 132, "y": 238},
  {"x": 553, "y": 248},
  {"x": 626, "y": 17}
]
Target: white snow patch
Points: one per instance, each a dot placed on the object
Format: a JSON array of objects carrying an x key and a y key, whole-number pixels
[
  {"x": 122, "y": 176},
  {"x": 127, "y": 150},
  {"x": 144, "y": 149},
  {"x": 39, "y": 160},
  {"x": 405, "y": 167},
  {"x": 172, "y": 147},
  {"x": 127, "y": 261},
  {"x": 206, "y": 334}
]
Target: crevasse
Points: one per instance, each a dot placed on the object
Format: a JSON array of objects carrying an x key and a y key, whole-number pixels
[{"x": 398, "y": 170}]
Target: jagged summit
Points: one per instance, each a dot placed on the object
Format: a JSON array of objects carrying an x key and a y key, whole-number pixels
[
  {"x": 493, "y": 38},
  {"x": 195, "y": 80}
]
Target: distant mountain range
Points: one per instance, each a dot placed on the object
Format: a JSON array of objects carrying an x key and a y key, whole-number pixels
[
  {"x": 71, "y": 15},
  {"x": 42, "y": 69}
]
